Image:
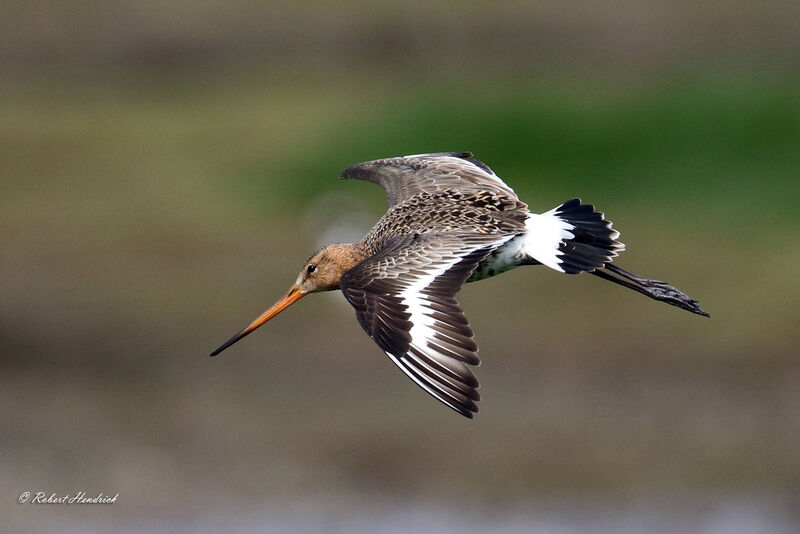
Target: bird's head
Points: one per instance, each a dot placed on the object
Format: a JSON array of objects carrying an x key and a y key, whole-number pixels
[{"x": 321, "y": 272}]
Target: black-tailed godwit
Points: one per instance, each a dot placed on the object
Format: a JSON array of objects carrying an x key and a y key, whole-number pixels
[{"x": 451, "y": 220}]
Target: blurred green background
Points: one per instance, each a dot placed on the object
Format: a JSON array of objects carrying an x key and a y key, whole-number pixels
[{"x": 165, "y": 168}]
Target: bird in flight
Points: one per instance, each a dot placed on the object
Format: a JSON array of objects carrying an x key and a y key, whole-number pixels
[{"x": 451, "y": 220}]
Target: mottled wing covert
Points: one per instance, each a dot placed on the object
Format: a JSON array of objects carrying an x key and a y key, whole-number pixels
[
  {"x": 406, "y": 176},
  {"x": 404, "y": 297}
]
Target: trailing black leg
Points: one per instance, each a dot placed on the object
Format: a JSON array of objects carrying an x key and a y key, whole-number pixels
[{"x": 655, "y": 289}]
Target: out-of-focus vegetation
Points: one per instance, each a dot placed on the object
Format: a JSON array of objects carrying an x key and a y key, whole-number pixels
[{"x": 165, "y": 170}]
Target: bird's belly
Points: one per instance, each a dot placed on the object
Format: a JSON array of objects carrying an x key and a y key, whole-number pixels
[{"x": 502, "y": 259}]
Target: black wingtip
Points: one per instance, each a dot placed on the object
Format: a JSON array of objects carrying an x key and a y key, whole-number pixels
[{"x": 359, "y": 171}]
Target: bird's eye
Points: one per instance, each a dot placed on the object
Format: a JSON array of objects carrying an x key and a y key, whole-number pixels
[{"x": 311, "y": 268}]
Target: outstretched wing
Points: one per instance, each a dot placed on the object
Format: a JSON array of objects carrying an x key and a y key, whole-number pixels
[
  {"x": 407, "y": 176},
  {"x": 404, "y": 297}
]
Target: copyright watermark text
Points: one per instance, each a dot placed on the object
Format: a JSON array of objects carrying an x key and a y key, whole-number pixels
[{"x": 79, "y": 497}]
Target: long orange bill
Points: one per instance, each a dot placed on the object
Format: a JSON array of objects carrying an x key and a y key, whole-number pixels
[{"x": 294, "y": 294}]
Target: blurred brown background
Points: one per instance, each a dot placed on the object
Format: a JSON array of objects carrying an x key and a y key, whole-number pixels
[{"x": 165, "y": 168}]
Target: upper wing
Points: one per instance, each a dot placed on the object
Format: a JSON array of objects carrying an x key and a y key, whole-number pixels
[
  {"x": 407, "y": 176},
  {"x": 404, "y": 298}
]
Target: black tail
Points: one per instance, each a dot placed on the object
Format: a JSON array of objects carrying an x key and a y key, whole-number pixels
[
  {"x": 655, "y": 289},
  {"x": 572, "y": 238}
]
